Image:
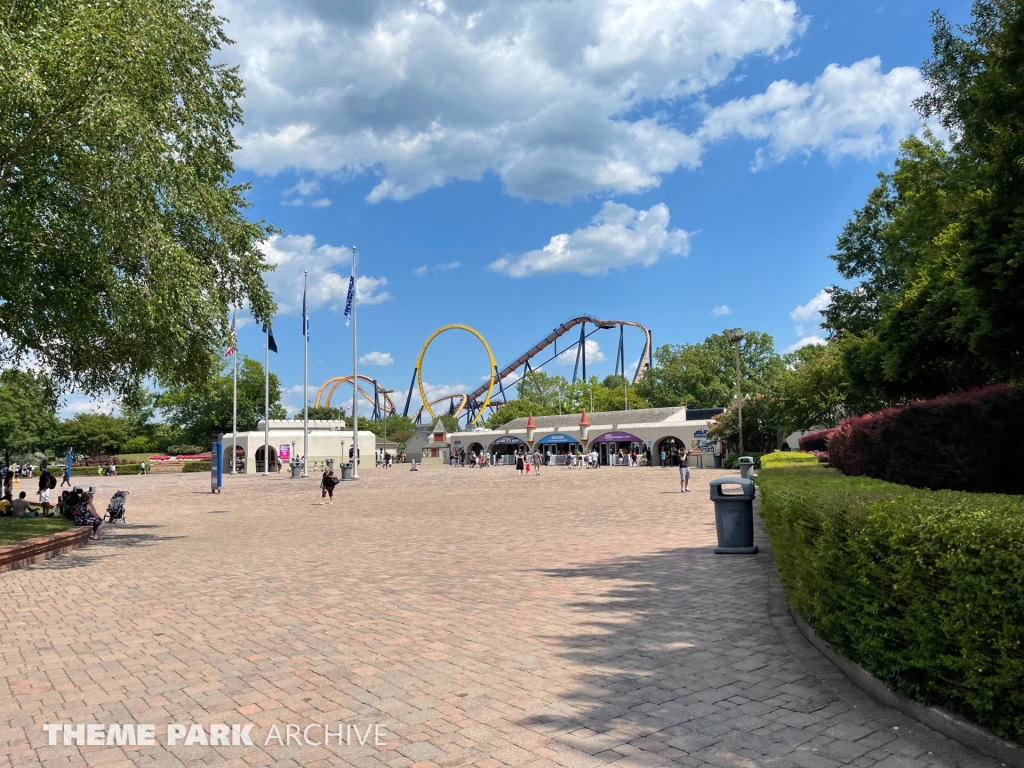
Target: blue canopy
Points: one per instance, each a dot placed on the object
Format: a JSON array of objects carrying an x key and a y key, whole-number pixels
[{"x": 557, "y": 438}]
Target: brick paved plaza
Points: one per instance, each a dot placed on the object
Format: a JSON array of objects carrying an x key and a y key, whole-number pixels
[{"x": 576, "y": 619}]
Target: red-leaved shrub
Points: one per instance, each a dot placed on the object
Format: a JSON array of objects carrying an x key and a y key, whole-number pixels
[
  {"x": 968, "y": 441},
  {"x": 815, "y": 441}
]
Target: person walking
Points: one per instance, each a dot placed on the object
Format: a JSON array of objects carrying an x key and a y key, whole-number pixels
[
  {"x": 327, "y": 483},
  {"x": 538, "y": 460},
  {"x": 520, "y": 464},
  {"x": 66, "y": 479},
  {"x": 684, "y": 471}
]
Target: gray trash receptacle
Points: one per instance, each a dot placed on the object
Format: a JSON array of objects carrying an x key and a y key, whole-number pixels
[
  {"x": 734, "y": 516},
  {"x": 746, "y": 466},
  {"x": 296, "y": 469},
  {"x": 346, "y": 470}
]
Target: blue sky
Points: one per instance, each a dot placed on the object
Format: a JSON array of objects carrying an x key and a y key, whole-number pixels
[{"x": 509, "y": 165}]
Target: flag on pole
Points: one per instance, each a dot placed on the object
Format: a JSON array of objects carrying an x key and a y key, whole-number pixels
[
  {"x": 271, "y": 344},
  {"x": 305, "y": 315},
  {"x": 234, "y": 338},
  {"x": 351, "y": 292}
]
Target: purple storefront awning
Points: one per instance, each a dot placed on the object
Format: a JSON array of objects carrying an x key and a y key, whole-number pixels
[{"x": 618, "y": 437}]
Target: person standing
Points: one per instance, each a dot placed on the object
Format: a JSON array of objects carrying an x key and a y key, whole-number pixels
[
  {"x": 46, "y": 481},
  {"x": 684, "y": 470}
]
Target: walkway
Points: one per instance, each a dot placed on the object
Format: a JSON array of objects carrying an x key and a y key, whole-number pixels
[{"x": 576, "y": 619}]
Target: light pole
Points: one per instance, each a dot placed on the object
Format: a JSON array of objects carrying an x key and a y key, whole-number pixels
[
  {"x": 735, "y": 336},
  {"x": 386, "y": 392}
]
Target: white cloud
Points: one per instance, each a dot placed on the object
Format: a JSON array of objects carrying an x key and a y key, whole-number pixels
[
  {"x": 376, "y": 358},
  {"x": 301, "y": 194},
  {"x": 807, "y": 321},
  {"x": 76, "y": 404},
  {"x": 554, "y": 97},
  {"x": 806, "y": 342},
  {"x": 420, "y": 271},
  {"x": 594, "y": 354},
  {"x": 618, "y": 237},
  {"x": 449, "y": 265},
  {"x": 327, "y": 288},
  {"x": 852, "y": 111},
  {"x": 722, "y": 310}
]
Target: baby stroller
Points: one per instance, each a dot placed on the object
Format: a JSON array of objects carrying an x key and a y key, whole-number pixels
[{"x": 115, "y": 509}]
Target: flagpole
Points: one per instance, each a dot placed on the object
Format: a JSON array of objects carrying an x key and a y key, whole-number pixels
[
  {"x": 266, "y": 407},
  {"x": 234, "y": 406},
  {"x": 305, "y": 378},
  {"x": 355, "y": 378}
]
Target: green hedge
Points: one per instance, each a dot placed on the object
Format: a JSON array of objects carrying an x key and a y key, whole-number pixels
[
  {"x": 925, "y": 589},
  {"x": 196, "y": 466},
  {"x": 733, "y": 461}
]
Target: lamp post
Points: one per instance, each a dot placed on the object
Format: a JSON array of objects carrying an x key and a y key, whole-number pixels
[
  {"x": 735, "y": 336},
  {"x": 386, "y": 392}
]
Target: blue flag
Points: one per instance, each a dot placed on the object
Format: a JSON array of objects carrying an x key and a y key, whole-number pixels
[
  {"x": 271, "y": 344},
  {"x": 351, "y": 295},
  {"x": 305, "y": 316}
]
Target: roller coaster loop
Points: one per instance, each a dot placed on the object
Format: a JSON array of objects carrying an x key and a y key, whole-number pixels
[
  {"x": 337, "y": 381},
  {"x": 419, "y": 371}
]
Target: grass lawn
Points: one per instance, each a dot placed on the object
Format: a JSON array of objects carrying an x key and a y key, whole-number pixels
[{"x": 14, "y": 529}]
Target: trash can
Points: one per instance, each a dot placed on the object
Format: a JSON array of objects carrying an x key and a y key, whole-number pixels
[
  {"x": 346, "y": 470},
  {"x": 734, "y": 516},
  {"x": 296, "y": 469},
  {"x": 746, "y": 466},
  {"x": 330, "y": 465}
]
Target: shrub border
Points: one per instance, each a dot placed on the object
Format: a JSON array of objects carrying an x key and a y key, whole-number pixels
[{"x": 938, "y": 719}]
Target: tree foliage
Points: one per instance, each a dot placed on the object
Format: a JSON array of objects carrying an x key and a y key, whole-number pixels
[
  {"x": 94, "y": 434},
  {"x": 939, "y": 245},
  {"x": 200, "y": 409},
  {"x": 122, "y": 234},
  {"x": 543, "y": 394},
  {"x": 704, "y": 375},
  {"x": 27, "y": 414}
]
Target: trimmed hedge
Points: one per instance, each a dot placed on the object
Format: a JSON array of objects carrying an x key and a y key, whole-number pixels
[
  {"x": 196, "y": 466},
  {"x": 815, "y": 441},
  {"x": 733, "y": 461},
  {"x": 925, "y": 589},
  {"x": 969, "y": 441}
]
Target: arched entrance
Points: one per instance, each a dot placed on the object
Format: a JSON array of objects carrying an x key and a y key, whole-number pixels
[
  {"x": 275, "y": 463},
  {"x": 554, "y": 448},
  {"x": 610, "y": 444},
  {"x": 239, "y": 459},
  {"x": 474, "y": 450},
  {"x": 670, "y": 446},
  {"x": 505, "y": 448}
]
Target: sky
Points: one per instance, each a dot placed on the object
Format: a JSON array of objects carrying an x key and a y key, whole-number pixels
[{"x": 685, "y": 164}]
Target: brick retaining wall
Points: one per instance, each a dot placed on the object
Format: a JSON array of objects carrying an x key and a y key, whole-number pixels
[{"x": 24, "y": 553}]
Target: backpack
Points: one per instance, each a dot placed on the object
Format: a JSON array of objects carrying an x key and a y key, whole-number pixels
[{"x": 52, "y": 483}]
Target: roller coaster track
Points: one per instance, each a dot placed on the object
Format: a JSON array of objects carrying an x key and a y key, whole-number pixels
[
  {"x": 337, "y": 381},
  {"x": 561, "y": 330}
]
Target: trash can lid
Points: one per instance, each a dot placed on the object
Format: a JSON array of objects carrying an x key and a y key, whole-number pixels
[
  {"x": 745, "y": 483},
  {"x": 747, "y": 459}
]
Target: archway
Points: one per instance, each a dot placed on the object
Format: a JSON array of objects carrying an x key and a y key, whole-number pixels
[
  {"x": 505, "y": 448},
  {"x": 609, "y": 444},
  {"x": 239, "y": 459},
  {"x": 555, "y": 447},
  {"x": 670, "y": 446},
  {"x": 275, "y": 464}
]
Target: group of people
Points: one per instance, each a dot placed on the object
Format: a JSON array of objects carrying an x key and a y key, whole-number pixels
[{"x": 385, "y": 460}]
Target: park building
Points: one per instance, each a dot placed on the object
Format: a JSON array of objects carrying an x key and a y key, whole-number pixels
[
  {"x": 329, "y": 441},
  {"x": 655, "y": 431}
]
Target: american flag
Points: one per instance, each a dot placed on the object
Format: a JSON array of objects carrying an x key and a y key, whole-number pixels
[{"x": 234, "y": 338}]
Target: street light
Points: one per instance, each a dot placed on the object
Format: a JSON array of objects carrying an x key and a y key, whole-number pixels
[
  {"x": 386, "y": 392},
  {"x": 735, "y": 336}
]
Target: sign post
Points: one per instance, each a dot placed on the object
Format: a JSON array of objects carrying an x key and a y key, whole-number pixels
[{"x": 216, "y": 463}]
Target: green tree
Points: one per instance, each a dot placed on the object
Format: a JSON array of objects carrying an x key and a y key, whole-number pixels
[
  {"x": 763, "y": 420},
  {"x": 93, "y": 434},
  {"x": 704, "y": 375},
  {"x": 543, "y": 395},
  {"x": 814, "y": 390},
  {"x": 324, "y": 413},
  {"x": 200, "y": 409},
  {"x": 122, "y": 234},
  {"x": 399, "y": 428},
  {"x": 27, "y": 413}
]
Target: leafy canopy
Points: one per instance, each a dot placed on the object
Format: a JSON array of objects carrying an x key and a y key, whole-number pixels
[{"x": 122, "y": 235}]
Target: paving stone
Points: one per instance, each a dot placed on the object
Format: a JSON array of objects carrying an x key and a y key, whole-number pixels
[{"x": 578, "y": 619}]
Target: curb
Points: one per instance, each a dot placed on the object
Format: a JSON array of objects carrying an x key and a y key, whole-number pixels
[
  {"x": 24, "y": 553},
  {"x": 936, "y": 718}
]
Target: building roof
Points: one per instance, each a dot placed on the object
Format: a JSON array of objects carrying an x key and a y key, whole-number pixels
[{"x": 603, "y": 418}]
